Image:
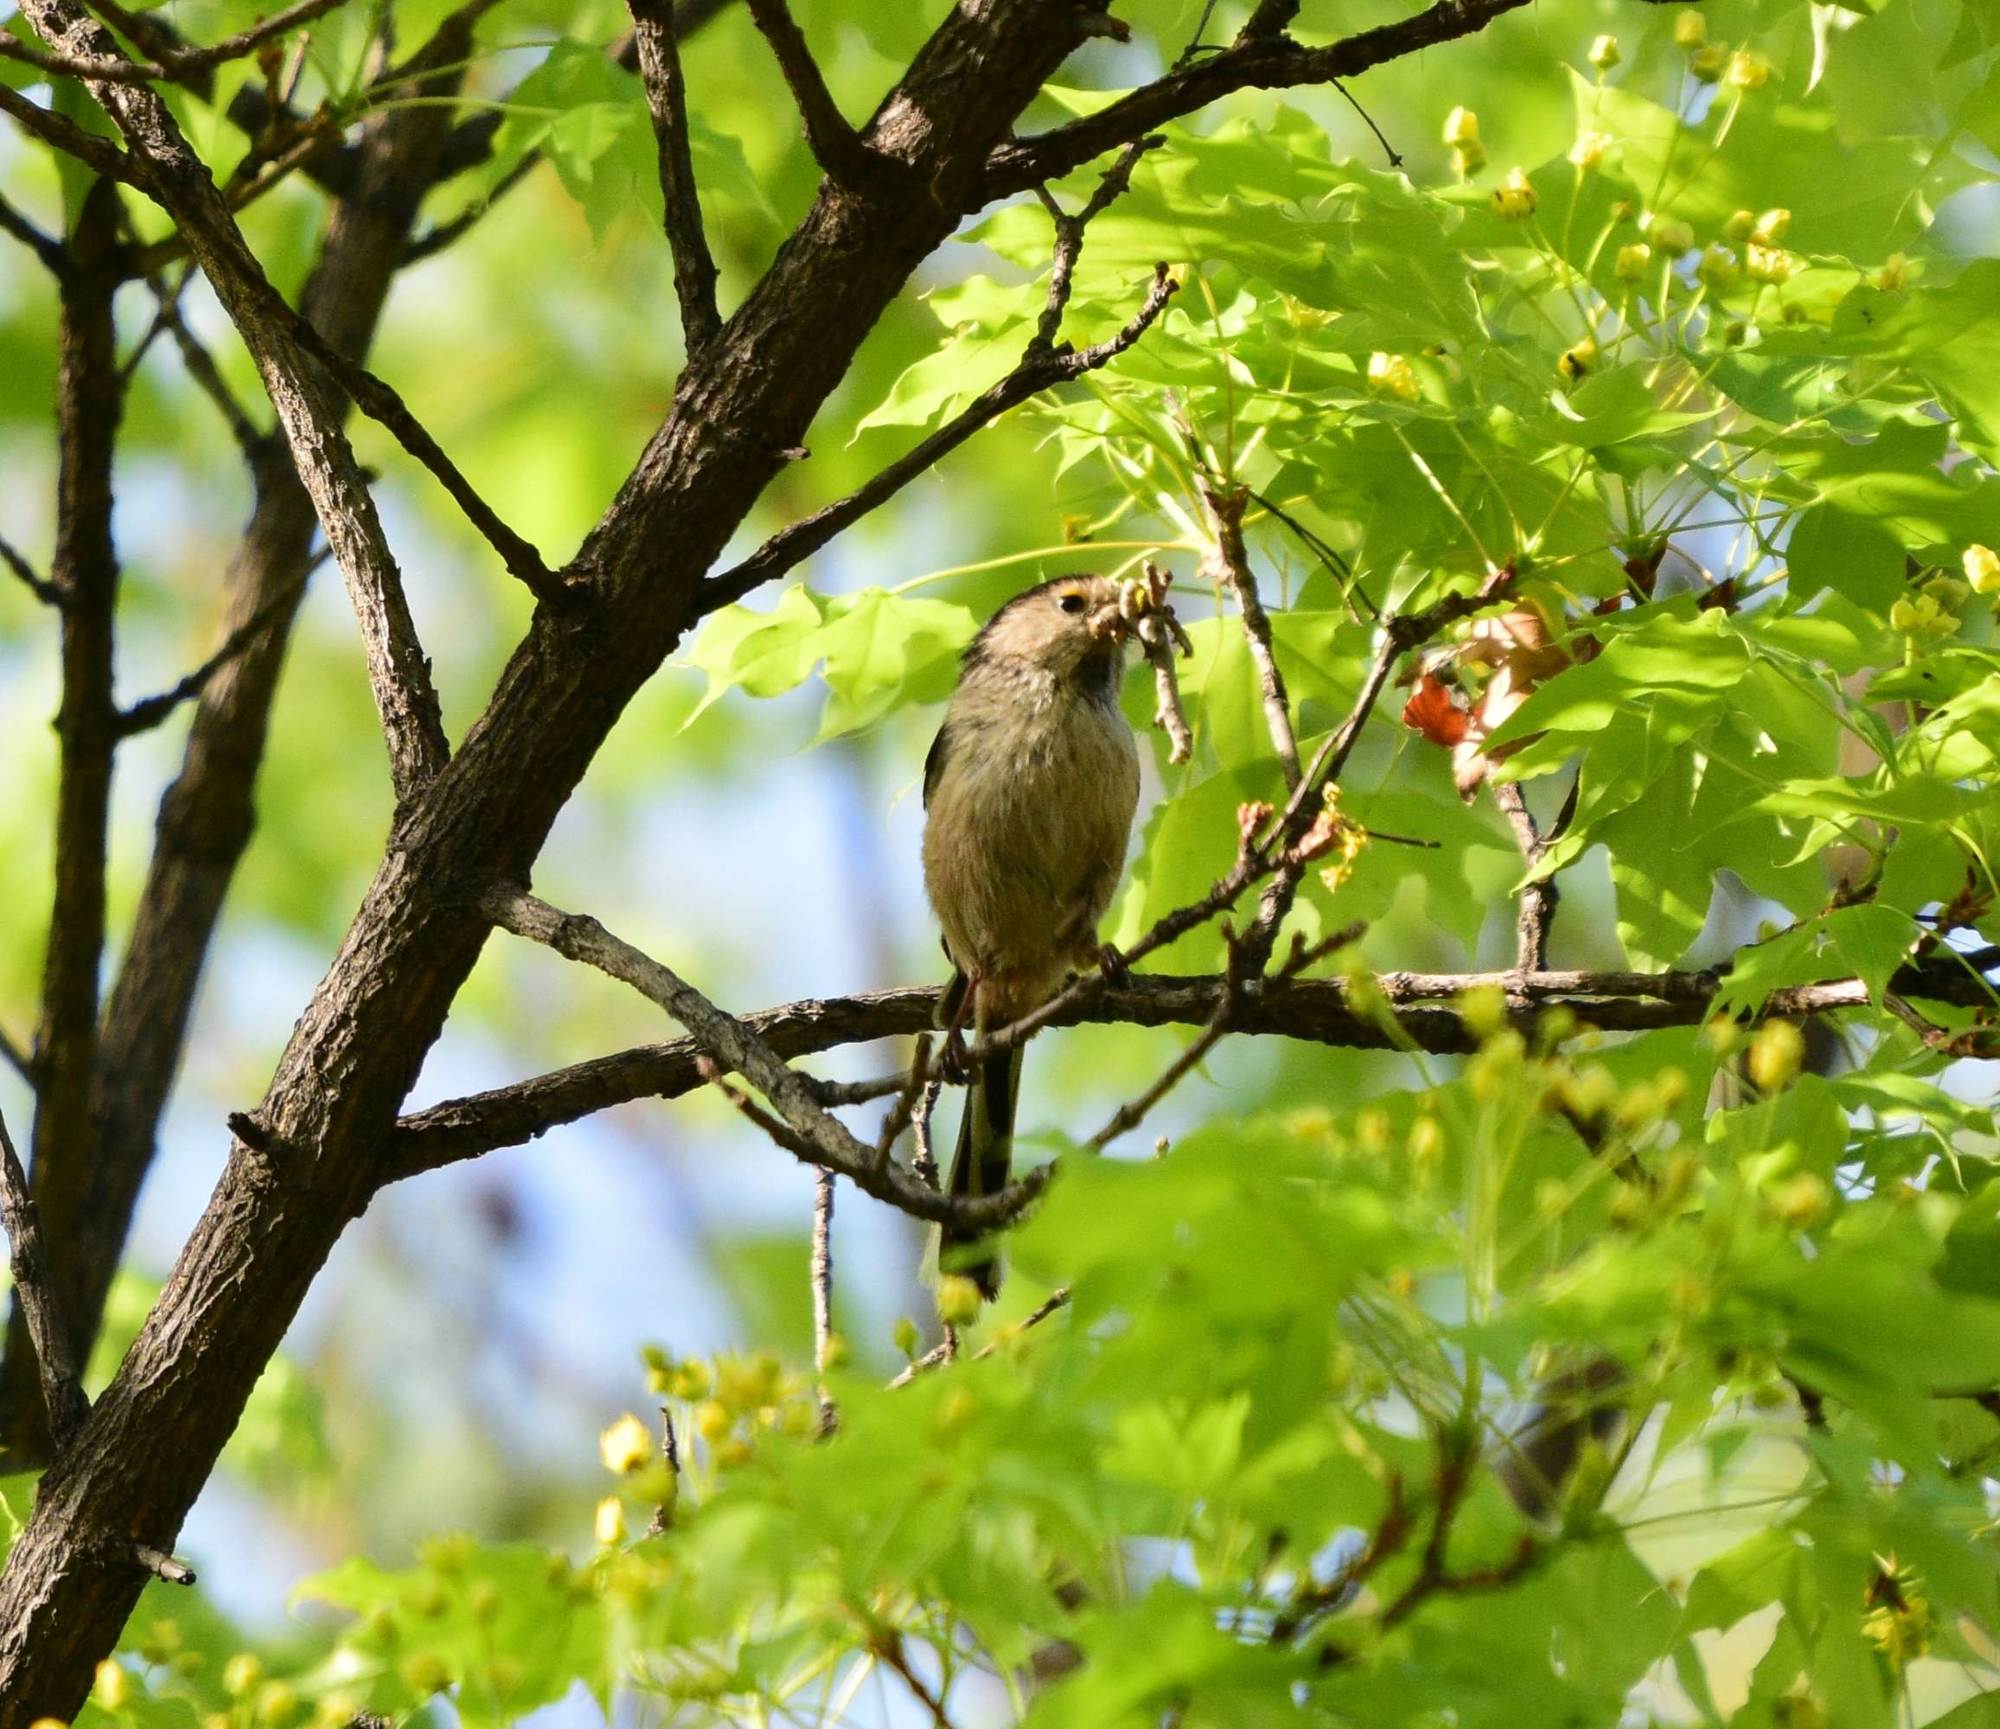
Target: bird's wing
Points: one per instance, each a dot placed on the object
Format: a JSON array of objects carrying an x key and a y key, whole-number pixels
[{"x": 934, "y": 760}]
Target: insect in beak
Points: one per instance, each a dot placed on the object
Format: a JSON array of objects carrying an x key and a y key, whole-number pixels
[{"x": 1108, "y": 624}]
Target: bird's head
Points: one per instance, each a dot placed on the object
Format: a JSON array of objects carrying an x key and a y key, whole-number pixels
[{"x": 1072, "y": 627}]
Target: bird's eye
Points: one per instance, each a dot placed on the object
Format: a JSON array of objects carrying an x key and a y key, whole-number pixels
[{"x": 1071, "y": 602}]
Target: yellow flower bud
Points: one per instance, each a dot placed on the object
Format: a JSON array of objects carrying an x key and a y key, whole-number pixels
[
  {"x": 278, "y": 1703},
  {"x": 1721, "y": 1035},
  {"x": 626, "y": 1445},
  {"x": 711, "y": 1419},
  {"x": 1749, "y": 71},
  {"x": 1393, "y": 376},
  {"x": 958, "y": 1300},
  {"x": 1573, "y": 363},
  {"x": 241, "y": 1674},
  {"x": 1426, "y": 1141},
  {"x": 905, "y": 1336},
  {"x": 48, "y": 1723},
  {"x": 1706, "y": 65},
  {"x": 1772, "y": 264},
  {"x": 1468, "y": 159},
  {"x": 1461, "y": 127},
  {"x": 1894, "y": 275},
  {"x": 1671, "y": 235},
  {"x": 1802, "y": 1201},
  {"x": 1982, "y": 569},
  {"x": 609, "y": 1524},
  {"x": 1514, "y": 198},
  {"x": 1632, "y": 262},
  {"x": 1690, "y": 30},
  {"x": 1776, "y": 1049},
  {"x": 113, "y": 1687},
  {"x": 1739, "y": 226},
  {"x": 1588, "y": 151},
  {"x": 1719, "y": 269},
  {"x": 1604, "y": 53},
  {"x": 424, "y": 1672},
  {"x": 1772, "y": 226}
]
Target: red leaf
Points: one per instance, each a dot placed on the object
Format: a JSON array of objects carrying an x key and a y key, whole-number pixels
[{"x": 1431, "y": 712}]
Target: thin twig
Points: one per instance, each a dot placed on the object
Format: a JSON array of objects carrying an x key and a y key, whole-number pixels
[
  {"x": 38, "y": 585},
  {"x": 1264, "y": 61},
  {"x": 17, "y": 1057},
  {"x": 946, "y": 1349},
  {"x": 888, "y": 1648},
  {"x": 172, "y": 67},
  {"x": 1395, "y": 635},
  {"x": 1230, "y": 561},
  {"x": 149, "y": 712},
  {"x": 1133, "y": 1111},
  {"x": 251, "y": 440},
  {"x": 836, "y": 146},
  {"x": 915, "y": 1084},
  {"x": 162, "y": 1565},
  {"x": 62, "y": 1382},
  {"x": 822, "y": 1297},
  {"x": 54, "y": 256},
  {"x": 1160, "y": 639},
  {"x": 1536, "y": 909},
  {"x": 381, "y": 403},
  {"x": 62, "y": 133},
  {"x": 1044, "y": 362},
  {"x": 666, "y": 99},
  {"x": 923, "y": 1161}
]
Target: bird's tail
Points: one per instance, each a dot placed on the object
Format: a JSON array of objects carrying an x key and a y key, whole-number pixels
[{"x": 982, "y": 1163}]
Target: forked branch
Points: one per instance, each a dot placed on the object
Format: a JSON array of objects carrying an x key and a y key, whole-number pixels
[{"x": 804, "y": 1128}]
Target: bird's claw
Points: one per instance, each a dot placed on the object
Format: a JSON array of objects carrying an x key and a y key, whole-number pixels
[{"x": 954, "y": 1066}]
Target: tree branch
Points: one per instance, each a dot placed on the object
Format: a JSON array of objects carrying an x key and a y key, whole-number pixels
[
  {"x": 1536, "y": 910},
  {"x": 1044, "y": 362},
  {"x": 822, "y": 1297},
  {"x": 1315, "y": 1011},
  {"x": 1231, "y": 562},
  {"x": 399, "y": 671},
  {"x": 201, "y": 368},
  {"x": 836, "y": 146},
  {"x": 39, "y": 586},
  {"x": 1395, "y": 635},
  {"x": 54, "y": 256},
  {"x": 175, "y": 65},
  {"x": 1255, "y": 62},
  {"x": 90, "y": 399},
  {"x": 61, "y": 133},
  {"x": 149, "y": 712},
  {"x": 62, "y": 1385},
  {"x": 381, "y": 403},
  {"x": 653, "y": 29},
  {"x": 812, "y": 1134}
]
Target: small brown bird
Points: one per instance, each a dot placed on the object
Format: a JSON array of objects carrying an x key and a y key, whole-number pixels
[{"x": 1029, "y": 789}]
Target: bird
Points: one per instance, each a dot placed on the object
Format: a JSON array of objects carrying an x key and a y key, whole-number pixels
[{"x": 1029, "y": 792}]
